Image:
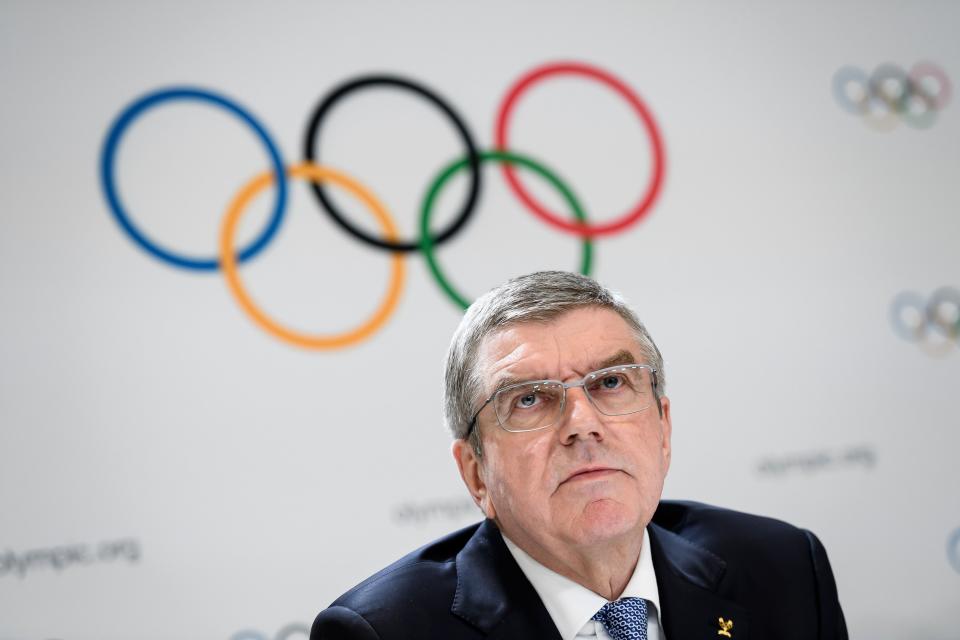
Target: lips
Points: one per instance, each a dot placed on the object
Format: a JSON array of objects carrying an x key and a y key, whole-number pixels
[{"x": 589, "y": 473}]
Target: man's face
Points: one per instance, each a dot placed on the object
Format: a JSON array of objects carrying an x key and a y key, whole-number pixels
[{"x": 589, "y": 478}]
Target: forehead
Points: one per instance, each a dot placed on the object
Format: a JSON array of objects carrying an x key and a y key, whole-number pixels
[{"x": 572, "y": 344}]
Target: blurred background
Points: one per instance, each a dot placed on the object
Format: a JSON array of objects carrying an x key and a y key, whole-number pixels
[{"x": 780, "y": 192}]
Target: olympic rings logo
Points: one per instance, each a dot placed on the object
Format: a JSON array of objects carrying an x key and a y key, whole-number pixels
[
  {"x": 932, "y": 323},
  {"x": 229, "y": 257},
  {"x": 290, "y": 632},
  {"x": 953, "y": 549},
  {"x": 890, "y": 94}
]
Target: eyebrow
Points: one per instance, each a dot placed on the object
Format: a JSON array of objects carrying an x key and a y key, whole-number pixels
[{"x": 620, "y": 357}]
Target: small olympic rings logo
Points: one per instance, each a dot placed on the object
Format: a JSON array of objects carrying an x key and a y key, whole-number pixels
[
  {"x": 932, "y": 323},
  {"x": 289, "y": 632},
  {"x": 320, "y": 175},
  {"x": 890, "y": 94},
  {"x": 953, "y": 549}
]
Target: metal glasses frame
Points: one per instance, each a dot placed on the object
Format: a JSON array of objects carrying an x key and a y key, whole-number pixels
[{"x": 563, "y": 400}]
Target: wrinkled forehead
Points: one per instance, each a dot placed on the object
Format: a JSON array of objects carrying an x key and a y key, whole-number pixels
[{"x": 573, "y": 344}]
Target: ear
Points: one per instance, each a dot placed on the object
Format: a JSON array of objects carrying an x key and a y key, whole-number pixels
[
  {"x": 666, "y": 429},
  {"x": 471, "y": 470}
]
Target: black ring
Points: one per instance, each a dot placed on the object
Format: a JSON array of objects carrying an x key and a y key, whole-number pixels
[
  {"x": 430, "y": 96},
  {"x": 938, "y": 297},
  {"x": 892, "y": 72}
]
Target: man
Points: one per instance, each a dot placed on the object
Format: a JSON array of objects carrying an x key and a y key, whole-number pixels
[{"x": 554, "y": 392}]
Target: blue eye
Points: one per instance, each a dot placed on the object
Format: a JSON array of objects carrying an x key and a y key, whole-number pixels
[
  {"x": 611, "y": 382},
  {"x": 527, "y": 401}
]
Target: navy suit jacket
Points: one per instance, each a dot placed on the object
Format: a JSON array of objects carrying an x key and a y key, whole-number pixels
[{"x": 772, "y": 579}]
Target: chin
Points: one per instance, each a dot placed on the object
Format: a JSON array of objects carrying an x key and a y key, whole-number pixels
[{"x": 605, "y": 519}]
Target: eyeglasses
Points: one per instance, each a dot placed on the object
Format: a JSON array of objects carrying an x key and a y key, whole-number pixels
[{"x": 538, "y": 404}]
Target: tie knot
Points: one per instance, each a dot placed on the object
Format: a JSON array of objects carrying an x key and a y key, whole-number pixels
[{"x": 624, "y": 619}]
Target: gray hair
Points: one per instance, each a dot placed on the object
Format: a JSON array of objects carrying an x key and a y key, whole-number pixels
[{"x": 538, "y": 297}]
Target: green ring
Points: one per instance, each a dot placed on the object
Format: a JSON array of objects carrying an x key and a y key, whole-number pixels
[{"x": 426, "y": 242}]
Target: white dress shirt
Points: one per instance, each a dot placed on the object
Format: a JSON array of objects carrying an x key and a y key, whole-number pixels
[{"x": 571, "y": 605}]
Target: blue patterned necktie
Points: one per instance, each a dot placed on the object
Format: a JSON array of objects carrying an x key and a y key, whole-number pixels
[{"x": 625, "y": 619}]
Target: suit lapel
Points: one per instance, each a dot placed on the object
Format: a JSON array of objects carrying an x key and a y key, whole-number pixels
[
  {"x": 494, "y": 595},
  {"x": 687, "y": 579}
]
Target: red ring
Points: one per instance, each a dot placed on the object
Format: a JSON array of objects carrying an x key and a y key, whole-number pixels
[
  {"x": 924, "y": 69},
  {"x": 580, "y": 228}
]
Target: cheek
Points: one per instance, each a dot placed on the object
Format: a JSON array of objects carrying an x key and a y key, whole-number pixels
[
  {"x": 655, "y": 461},
  {"x": 518, "y": 473},
  {"x": 648, "y": 457}
]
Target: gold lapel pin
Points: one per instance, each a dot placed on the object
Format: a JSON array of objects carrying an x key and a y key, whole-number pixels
[{"x": 725, "y": 626}]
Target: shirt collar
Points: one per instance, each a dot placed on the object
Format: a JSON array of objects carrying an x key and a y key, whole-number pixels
[{"x": 571, "y": 605}]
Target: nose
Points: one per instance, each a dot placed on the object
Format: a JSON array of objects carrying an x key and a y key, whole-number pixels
[{"x": 580, "y": 419}]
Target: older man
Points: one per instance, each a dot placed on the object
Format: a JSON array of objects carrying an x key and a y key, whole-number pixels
[{"x": 555, "y": 397}]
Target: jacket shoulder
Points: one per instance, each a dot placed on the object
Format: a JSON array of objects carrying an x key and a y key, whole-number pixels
[
  {"x": 407, "y": 594},
  {"x": 723, "y": 528},
  {"x": 430, "y": 563},
  {"x": 752, "y": 549},
  {"x": 776, "y": 567}
]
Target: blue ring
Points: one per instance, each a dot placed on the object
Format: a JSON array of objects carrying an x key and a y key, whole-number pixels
[
  {"x": 107, "y": 178},
  {"x": 840, "y": 80},
  {"x": 907, "y": 300}
]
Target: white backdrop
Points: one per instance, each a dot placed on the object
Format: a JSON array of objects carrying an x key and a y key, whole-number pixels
[{"x": 170, "y": 470}]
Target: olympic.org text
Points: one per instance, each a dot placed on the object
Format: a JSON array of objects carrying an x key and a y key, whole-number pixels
[
  {"x": 863, "y": 457},
  {"x": 60, "y": 558},
  {"x": 440, "y": 509}
]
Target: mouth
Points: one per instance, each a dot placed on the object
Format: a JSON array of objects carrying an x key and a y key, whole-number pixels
[{"x": 589, "y": 473}]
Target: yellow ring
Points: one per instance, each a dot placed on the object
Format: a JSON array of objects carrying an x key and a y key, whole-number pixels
[{"x": 228, "y": 261}]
